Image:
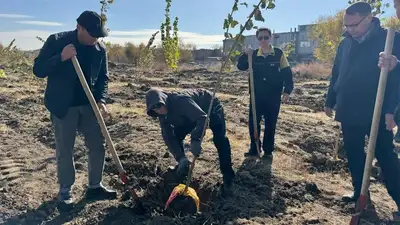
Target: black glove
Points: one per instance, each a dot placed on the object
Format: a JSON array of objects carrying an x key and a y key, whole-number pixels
[
  {"x": 183, "y": 167},
  {"x": 195, "y": 148}
]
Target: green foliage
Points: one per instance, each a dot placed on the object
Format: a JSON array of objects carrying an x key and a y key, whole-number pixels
[
  {"x": 327, "y": 32},
  {"x": 146, "y": 56},
  {"x": 2, "y": 74},
  {"x": 288, "y": 48},
  {"x": 230, "y": 22},
  {"x": 105, "y": 5},
  {"x": 170, "y": 43},
  {"x": 392, "y": 22}
]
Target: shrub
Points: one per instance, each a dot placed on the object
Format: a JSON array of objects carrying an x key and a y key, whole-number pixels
[{"x": 312, "y": 70}]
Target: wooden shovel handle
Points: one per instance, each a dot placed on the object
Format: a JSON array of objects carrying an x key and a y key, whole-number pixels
[
  {"x": 99, "y": 118},
  {"x": 377, "y": 114},
  {"x": 253, "y": 103}
]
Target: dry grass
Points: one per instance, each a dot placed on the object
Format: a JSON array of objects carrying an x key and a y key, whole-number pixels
[
  {"x": 137, "y": 109},
  {"x": 312, "y": 70},
  {"x": 116, "y": 85},
  {"x": 289, "y": 167},
  {"x": 318, "y": 214}
]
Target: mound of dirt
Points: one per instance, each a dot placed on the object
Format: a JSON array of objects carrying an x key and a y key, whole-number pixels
[{"x": 313, "y": 142}]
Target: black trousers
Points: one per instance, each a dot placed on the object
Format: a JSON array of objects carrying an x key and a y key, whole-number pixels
[
  {"x": 354, "y": 141},
  {"x": 269, "y": 109},
  {"x": 397, "y": 115},
  {"x": 221, "y": 141}
]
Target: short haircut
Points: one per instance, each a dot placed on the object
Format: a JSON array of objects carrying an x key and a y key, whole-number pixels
[
  {"x": 263, "y": 29},
  {"x": 361, "y": 8}
]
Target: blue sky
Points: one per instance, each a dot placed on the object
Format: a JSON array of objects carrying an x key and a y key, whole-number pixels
[{"x": 200, "y": 22}]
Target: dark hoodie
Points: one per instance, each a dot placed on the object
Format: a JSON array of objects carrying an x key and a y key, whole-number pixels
[
  {"x": 355, "y": 77},
  {"x": 187, "y": 108}
]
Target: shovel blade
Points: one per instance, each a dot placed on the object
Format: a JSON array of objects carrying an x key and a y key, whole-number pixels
[
  {"x": 360, "y": 206},
  {"x": 178, "y": 190}
]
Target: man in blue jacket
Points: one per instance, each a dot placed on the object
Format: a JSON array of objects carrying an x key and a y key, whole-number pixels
[
  {"x": 352, "y": 90},
  {"x": 272, "y": 78},
  {"x": 67, "y": 102}
]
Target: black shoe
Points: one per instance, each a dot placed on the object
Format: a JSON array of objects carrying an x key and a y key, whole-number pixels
[
  {"x": 227, "y": 185},
  {"x": 66, "y": 201},
  {"x": 253, "y": 150},
  {"x": 349, "y": 197},
  {"x": 396, "y": 217},
  {"x": 267, "y": 156},
  {"x": 251, "y": 153},
  {"x": 100, "y": 193}
]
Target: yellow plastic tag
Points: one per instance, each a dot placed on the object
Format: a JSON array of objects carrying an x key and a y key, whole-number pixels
[{"x": 178, "y": 190}]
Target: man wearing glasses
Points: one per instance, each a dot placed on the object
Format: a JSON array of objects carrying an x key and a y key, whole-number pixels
[
  {"x": 272, "y": 74},
  {"x": 353, "y": 89}
]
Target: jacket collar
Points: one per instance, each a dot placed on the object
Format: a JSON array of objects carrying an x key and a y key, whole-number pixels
[{"x": 271, "y": 51}]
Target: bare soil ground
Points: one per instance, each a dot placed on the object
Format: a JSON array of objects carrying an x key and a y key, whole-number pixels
[{"x": 303, "y": 185}]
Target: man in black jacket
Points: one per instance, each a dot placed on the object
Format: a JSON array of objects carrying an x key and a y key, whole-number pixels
[
  {"x": 184, "y": 112},
  {"x": 353, "y": 89},
  {"x": 272, "y": 74},
  {"x": 67, "y": 102}
]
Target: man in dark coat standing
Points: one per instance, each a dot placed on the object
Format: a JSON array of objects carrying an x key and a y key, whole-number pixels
[
  {"x": 392, "y": 61},
  {"x": 67, "y": 102},
  {"x": 352, "y": 90}
]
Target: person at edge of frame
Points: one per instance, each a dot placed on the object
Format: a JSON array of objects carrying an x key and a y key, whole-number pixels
[
  {"x": 70, "y": 109},
  {"x": 353, "y": 89},
  {"x": 396, "y": 4},
  {"x": 272, "y": 74}
]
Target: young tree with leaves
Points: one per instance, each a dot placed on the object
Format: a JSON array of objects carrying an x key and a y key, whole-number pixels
[{"x": 170, "y": 43}]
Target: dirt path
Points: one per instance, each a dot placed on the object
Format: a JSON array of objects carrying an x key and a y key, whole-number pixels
[{"x": 302, "y": 186}]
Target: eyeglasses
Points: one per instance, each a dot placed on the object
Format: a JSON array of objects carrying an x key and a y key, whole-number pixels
[
  {"x": 354, "y": 25},
  {"x": 260, "y": 38}
]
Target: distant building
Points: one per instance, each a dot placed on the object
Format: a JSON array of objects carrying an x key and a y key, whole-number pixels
[{"x": 303, "y": 45}]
